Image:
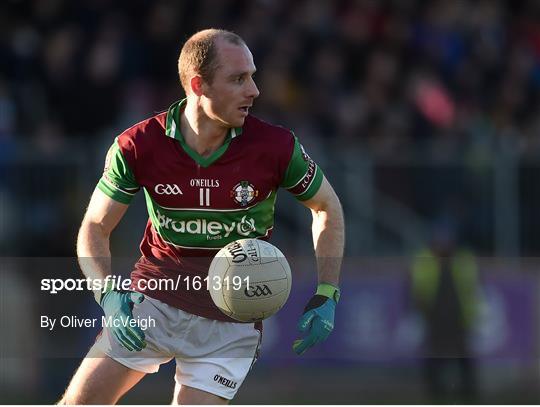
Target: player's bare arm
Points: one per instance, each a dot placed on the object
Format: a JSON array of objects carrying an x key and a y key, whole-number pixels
[
  {"x": 328, "y": 231},
  {"x": 317, "y": 321},
  {"x": 102, "y": 216}
]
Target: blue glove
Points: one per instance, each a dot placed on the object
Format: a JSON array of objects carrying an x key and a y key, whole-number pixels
[
  {"x": 318, "y": 318},
  {"x": 119, "y": 304}
]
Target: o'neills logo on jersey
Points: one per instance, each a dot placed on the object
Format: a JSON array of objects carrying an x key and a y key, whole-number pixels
[
  {"x": 244, "y": 192},
  {"x": 213, "y": 230},
  {"x": 203, "y": 182}
]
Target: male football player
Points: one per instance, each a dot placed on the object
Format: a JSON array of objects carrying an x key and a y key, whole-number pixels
[{"x": 210, "y": 172}]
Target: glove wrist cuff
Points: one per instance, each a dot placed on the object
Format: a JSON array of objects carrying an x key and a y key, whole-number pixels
[{"x": 328, "y": 290}]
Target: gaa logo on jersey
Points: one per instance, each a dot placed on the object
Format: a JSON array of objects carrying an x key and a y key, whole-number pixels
[{"x": 244, "y": 193}]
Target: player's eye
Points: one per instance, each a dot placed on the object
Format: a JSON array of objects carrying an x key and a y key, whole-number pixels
[{"x": 240, "y": 79}]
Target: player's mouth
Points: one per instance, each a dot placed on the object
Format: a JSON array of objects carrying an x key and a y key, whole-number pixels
[{"x": 244, "y": 109}]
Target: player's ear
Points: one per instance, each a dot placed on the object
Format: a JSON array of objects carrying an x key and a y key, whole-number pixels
[{"x": 197, "y": 85}]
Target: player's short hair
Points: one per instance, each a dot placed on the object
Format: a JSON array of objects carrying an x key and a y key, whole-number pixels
[{"x": 199, "y": 54}]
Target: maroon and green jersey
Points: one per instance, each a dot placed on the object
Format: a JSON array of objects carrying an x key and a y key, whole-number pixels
[{"x": 196, "y": 204}]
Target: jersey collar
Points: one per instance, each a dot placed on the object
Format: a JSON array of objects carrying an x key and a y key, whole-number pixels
[{"x": 172, "y": 130}]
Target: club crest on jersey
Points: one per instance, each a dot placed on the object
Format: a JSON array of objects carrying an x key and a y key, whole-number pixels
[{"x": 244, "y": 192}]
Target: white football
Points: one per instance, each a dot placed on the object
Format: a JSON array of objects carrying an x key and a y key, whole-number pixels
[{"x": 249, "y": 280}]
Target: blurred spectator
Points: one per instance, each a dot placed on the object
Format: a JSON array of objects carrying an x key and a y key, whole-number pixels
[
  {"x": 445, "y": 292},
  {"x": 18, "y": 314},
  {"x": 83, "y": 54}
]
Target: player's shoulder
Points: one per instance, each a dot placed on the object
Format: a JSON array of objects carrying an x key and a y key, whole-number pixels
[
  {"x": 144, "y": 130},
  {"x": 263, "y": 132}
]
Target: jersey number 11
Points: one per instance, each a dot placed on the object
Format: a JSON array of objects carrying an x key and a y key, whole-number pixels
[{"x": 204, "y": 196}]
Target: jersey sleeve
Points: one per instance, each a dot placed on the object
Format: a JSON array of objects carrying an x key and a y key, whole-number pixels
[
  {"x": 303, "y": 177},
  {"x": 118, "y": 181}
]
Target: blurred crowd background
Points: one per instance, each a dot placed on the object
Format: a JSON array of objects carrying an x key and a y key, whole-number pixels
[
  {"x": 392, "y": 92},
  {"x": 424, "y": 115}
]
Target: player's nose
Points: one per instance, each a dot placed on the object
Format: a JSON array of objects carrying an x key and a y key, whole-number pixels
[{"x": 253, "y": 91}]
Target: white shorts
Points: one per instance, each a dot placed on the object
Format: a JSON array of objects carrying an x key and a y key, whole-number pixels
[{"x": 213, "y": 356}]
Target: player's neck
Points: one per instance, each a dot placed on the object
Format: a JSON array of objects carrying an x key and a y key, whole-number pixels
[{"x": 200, "y": 133}]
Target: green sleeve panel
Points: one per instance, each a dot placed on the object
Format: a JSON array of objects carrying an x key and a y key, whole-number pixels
[
  {"x": 303, "y": 177},
  {"x": 118, "y": 181}
]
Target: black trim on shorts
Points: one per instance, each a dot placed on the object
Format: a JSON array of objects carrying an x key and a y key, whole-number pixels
[{"x": 258, "y": 348}]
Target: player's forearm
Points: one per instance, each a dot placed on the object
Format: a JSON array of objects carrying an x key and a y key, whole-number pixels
[
  {"x": 329, "y": 240},
  {"x": 93, "y": 251}
]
